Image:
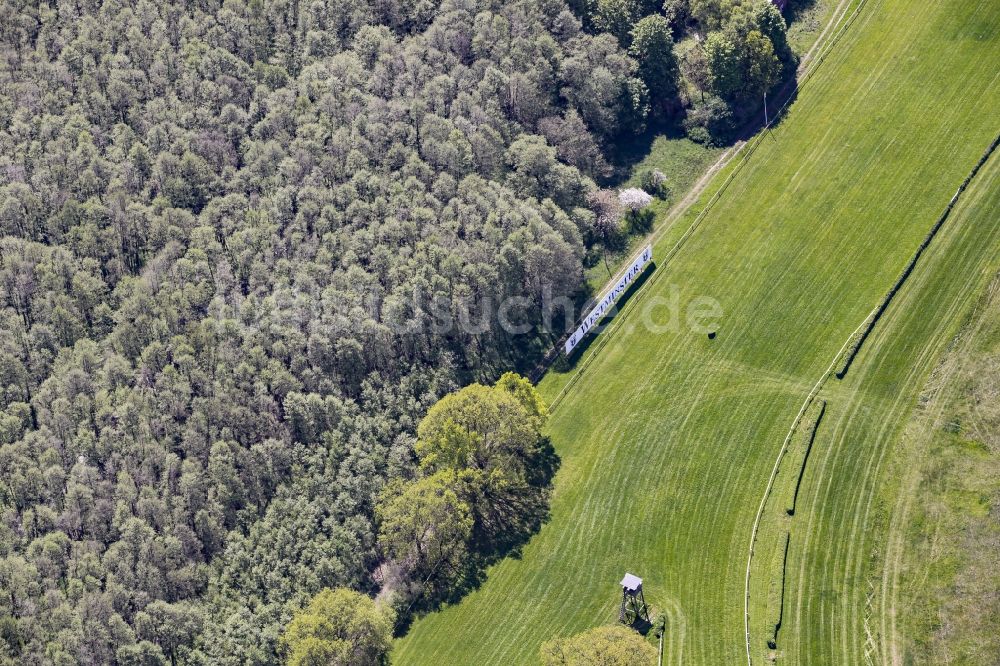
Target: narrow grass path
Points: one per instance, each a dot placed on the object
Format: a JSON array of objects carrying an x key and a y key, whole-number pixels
[
  {"x": 668, "y": 442},
  {"x": 787, "y": 478}
]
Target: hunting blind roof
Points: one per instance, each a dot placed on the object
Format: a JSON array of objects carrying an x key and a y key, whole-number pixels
[{"x": 631, "y": 583}]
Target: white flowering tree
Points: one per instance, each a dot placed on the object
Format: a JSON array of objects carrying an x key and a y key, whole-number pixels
[
  {"x": 607, "y": 219},
  {"x": 636, "y": 202},
  {"x": 633, "y": 199}
]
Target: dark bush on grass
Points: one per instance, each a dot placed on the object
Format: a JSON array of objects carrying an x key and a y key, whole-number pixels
[
  {"x": 710, "y": 122},
  {"x": 641, "y": 221},
  {"x": 655, "y": 182}
]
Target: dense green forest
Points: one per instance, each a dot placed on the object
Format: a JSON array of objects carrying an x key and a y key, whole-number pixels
[{"x": 247, "y": 244}]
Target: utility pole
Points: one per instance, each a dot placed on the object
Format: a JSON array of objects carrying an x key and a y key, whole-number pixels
[{"x": 767, "y": 123}]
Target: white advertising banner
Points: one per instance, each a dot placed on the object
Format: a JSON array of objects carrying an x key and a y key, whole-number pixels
[{"x": 595, "y": 315}]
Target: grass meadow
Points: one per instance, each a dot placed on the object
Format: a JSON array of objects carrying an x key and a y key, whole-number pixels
[{"x": 668, "y": 439}]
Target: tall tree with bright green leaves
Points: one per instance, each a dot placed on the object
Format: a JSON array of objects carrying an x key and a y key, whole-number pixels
[
  {"x": 339, "y": 627},
  {"x": 617, "y": 17},
  {"x": 491, "y": 438},
  {"x": 761, "y": 67},
  {"x": 724, "y": 65},
  {"x": 424, "y": 525},
  {"x": 742, "y": 67},
  {"x": 612, "y": 645}
]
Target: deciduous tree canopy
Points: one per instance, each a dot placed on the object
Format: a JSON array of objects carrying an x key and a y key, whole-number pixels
[
  {"x": 481, "y": 489},
  {"x": 339, "y": 628},
  {"x": 244, "y": 246},
  {"x": 613, "y": 645}
]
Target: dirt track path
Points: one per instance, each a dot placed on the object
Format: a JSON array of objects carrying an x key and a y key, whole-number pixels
[{"x": 692, "y": 195}]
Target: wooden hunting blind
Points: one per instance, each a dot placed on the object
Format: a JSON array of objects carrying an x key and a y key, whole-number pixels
[{"x": 634, "y": 606}]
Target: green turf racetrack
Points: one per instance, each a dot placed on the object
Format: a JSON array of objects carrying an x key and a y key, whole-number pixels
[{"x": 668, "y": 440}]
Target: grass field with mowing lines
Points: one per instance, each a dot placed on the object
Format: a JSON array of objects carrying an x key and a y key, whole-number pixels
[
  {"x": 938, "y": 597},
  {"x": 685, "y": 162},
  {"x": 839, "y": 530},
  {"x": 668, "y": 440}
]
